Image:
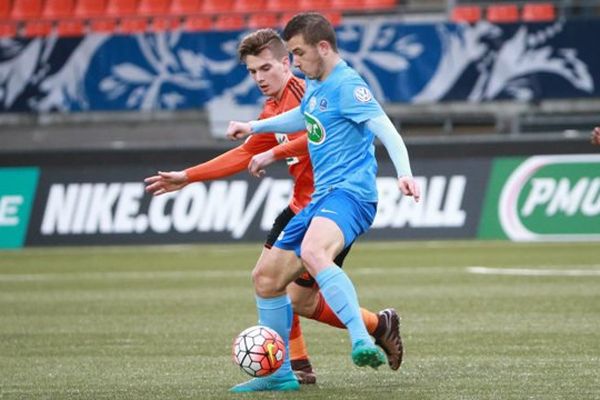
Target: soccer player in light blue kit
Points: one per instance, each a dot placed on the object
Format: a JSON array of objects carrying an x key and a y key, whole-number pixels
[{"x": 342, "y": 118}]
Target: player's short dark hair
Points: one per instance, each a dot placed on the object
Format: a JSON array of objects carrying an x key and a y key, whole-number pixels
[
  {"x": 313, "y": 27},
  {"x": 255, "y": 42}
]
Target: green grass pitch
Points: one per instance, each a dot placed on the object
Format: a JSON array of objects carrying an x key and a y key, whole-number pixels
[{"x": 158, "y": 322}]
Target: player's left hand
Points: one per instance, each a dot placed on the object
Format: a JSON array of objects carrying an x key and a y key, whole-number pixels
[
  {"x": 409, "y": 187},
  {"x": 258, "y": 163}
]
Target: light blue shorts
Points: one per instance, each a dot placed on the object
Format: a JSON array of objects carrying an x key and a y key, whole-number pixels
[{"x": 352, "y": 216}]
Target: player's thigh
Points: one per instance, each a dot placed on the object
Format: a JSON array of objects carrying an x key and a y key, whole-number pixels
[
  {"x": 274, "y": 270},
  {"x": 304, "y": 299},
  {"x": 323, "y": 241}
]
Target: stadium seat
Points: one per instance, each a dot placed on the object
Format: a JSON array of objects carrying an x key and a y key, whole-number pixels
[
  {"x": 502, "y": 13},
  {"x": 103, "y": 25},
  {"x": 217, "y": 6},
  {"x": 282, "y": 5},
  {"x": 538, "y": 12},
  {"x": 249, "y": 6},
  {"x": 197, "y": 23},
  {"x": 26, "y": 9},
  {"x": 153, "y": 7},
  {"x": 185, "y": 7},
  {"x": 90, "y": 8},
  {"x": 8, "y": 29},
  {"x": 314, "y": 5},
  {"x": 58, "y": 8},
  {"x": 70, "y": 28},
  {"x": 466, "y": 13},
  {"x": 229, "y": 22},
  {"x": 36, "y": 28},
  {"x": 262, "y": 20},
  {"x": 133, "y": 25},
  {"x": 334, "y": 17},
  {"x": 347, "y": 5},
  {"x": 118, "y": 8},
  {"x": 161, "y": 24},
  {"x": 380, "y": 4},
  {"x": 4, "y": 8}
]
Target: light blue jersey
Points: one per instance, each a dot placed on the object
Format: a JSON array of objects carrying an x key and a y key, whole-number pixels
[{"x": 341, "y": 147}]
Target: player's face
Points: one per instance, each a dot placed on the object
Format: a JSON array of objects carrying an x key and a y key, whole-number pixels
[
  {"x": 306, "y": 57},
  {"x": 269, "y": 73}
]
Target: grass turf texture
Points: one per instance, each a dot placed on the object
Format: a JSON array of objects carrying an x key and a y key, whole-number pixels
[{"x": 158, "y": 322}]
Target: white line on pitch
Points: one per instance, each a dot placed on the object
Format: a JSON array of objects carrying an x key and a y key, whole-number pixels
[{"x": 533, "y": 271}]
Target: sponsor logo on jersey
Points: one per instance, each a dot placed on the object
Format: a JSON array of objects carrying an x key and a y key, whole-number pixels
[
  {"x": 362, "y": 94},
  {"x": 553, "y": 197},
  {"x": 314, "y": 128}
]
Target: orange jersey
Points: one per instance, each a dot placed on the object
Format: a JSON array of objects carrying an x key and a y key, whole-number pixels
[{"x": 237, "y": 159}]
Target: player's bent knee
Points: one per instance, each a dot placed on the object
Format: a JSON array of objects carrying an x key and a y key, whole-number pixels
[{"x": 267, "y": 283}]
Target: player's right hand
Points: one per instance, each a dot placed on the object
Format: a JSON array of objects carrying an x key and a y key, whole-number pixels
[
  {"x": 238, "y": 130},
  {"x": 595, "y": 138},
  {"x": 166, "y": 182}
]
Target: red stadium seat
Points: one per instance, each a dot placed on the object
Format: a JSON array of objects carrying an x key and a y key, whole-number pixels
[
  {"x": 466, "y": 14},
  {"x": 502, "y": 13},
  {"x": 282, "y": 5},
  {"x": 8, "y": 29},
  {"x": 262, "y": 20},
  {"x": 229, "y": 22},
  {"x": 118, "y": 8},
  {"x": 249, "y": 6},
  {"x": 334, "y": 17},
  {"x": 538, "y": 12},
  {"x": 348, "y": 5},
  {"x": 133, "y": 25},
  {"x": 185, "y": 7},
  {"x": 217, "y": 6},
  {"x": 70, "y": 28},
  {"x": 5, "y": 8},
  {"x": 36, "y": 28},
  {"x": 314, "y": 5},
  {"x": 197, "y": 23},
  {"x": 161, "y": 24},
  {"x": 58, "y": 8},
  {"x": 380, "y": 4},
  {"x": 103, "y": 25},
  {"x": 153, "y": 7},
  {"x": 90, "y": 8},
  {"x": 26, "y": 9}
]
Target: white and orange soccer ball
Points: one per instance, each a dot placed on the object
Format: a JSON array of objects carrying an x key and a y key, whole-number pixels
[{"x": 259, "y": 351}]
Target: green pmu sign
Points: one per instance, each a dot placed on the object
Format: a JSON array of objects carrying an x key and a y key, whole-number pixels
[
  {"x": 16, "y": 198},
  {"x": 549, "y": 198}
]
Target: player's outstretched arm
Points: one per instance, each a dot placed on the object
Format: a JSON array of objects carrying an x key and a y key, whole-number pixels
[
  {"x": 383, "y": 128},
  {"x": 165, "y": 182},
  {"x": 288, "y": 122},
  {"x": 595, "y": 137}
]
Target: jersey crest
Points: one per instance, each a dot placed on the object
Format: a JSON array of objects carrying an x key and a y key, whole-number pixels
[{"x": 316, "y": 132}]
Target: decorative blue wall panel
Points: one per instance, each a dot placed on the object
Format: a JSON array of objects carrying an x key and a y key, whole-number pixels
[{"x": 412, "y": 63}]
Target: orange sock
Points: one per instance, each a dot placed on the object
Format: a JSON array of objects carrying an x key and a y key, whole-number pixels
[
  {"x": 324, "y": 313},
  {"x": 297, "y": 346}
]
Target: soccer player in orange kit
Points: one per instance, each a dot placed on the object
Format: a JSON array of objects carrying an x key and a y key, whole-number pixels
[{"x": 267, "y": 61}]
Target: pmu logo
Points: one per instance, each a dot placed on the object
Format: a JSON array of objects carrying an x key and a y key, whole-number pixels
[{"x": 553, "y": 198}]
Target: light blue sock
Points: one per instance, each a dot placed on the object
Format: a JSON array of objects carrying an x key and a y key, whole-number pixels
[
  {"x": 340, "y": 295},
  {"x": 276, "y": 313}
]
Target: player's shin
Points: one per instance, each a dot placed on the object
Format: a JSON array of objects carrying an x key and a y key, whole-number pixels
[{"x": 276, "y": 313}]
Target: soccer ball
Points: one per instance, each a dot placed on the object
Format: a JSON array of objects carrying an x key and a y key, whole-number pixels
[{"x": 258, "y": 350}]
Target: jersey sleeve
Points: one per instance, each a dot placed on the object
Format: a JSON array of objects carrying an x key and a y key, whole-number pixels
[
  {"x": 294, "y": 148},
  {"x": 357, "y": 102},
  {"x": 232, "y": 161}
]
